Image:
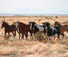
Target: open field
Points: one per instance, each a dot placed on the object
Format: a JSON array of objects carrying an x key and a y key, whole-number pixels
[{"x": 28, "y": 48}]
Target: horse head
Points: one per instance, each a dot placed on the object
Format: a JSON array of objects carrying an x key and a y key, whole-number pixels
[
  {"x": 32, "y": 25},
  {"x": 47, "y": 24},
  {"x": 57, "y": 23},
  {"x": 17, "y": 26},
  {"x": 44, "y": 23},
  {"x": 3, "y": 24}
]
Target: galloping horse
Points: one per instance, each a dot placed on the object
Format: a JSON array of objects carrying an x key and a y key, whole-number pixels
[
  {"x": 9, "y": 28},
  {"x": 37, "y": 28},
  {"x": 63, "y": 28},
  {"x": 52, "y": 30},
  {"x": 24, "y": 29}
]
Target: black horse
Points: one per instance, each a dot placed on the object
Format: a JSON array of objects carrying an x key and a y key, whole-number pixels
[{"x": 52, "y": 30}]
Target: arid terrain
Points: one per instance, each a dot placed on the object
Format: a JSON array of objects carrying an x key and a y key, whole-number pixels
[{"x": 28, "y": 48}]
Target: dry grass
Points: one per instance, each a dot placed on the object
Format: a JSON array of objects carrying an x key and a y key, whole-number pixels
[
  {"x": 40, "y": 47},
  {"x": 7, "y": 50}
]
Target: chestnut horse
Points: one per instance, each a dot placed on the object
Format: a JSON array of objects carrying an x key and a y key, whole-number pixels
[
  {"x": 63, "y": 28},
  {"x": 24, "y": 29},
  {"x": 9, "y": 28}
]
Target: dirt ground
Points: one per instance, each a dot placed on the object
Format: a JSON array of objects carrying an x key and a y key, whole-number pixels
[{"x": 28, "y": 48}]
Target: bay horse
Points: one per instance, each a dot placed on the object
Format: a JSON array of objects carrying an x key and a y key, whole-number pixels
[
  {"x": 9, "y": 28},
  {"x": 63, "y": 28},
  {"x": 24, "y": 29},
  {"x": 37, "y": 28}
]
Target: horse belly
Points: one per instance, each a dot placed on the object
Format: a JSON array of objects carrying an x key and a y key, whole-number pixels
[{"x": 41, "y": 29}]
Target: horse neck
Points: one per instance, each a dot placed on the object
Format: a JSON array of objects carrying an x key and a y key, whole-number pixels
[
  {"x": 28, "y": 26},
  {"x": 58, "y": 24},
  {"x": 21, "y": 26},
  {"x": 6, "y": 26},
  {"x": 48, "y": 27}
]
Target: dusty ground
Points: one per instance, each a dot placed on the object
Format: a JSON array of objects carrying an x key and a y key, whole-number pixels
[{"x": 28, "y": 48}]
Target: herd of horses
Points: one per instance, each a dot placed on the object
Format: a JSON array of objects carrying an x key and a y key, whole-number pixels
[{"x": 32, "y": 28}]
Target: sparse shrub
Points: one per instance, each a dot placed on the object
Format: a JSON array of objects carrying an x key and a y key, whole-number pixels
[
  {"x": 64, "y": 41},
  {"x": 66, "y": 23},
  {"x": 46, "y": 17},
  {"x": 39, "y": 20},
  {"x": 56, "y": 17},
  {"x": 35, "y": 16},
  {"x": 39, "y": 36},
  {"x": 66, "y": 48}
]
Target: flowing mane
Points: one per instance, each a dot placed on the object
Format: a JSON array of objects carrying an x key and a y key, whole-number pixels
[
  {"x": 6, "y": 23},
  {"x": 58, "y": 23}
]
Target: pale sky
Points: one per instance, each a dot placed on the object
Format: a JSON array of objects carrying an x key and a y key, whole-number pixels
[{"x": 34, "y": 6}]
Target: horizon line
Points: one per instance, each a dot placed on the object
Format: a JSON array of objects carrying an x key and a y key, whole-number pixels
[{"x": 14, "y": 14}]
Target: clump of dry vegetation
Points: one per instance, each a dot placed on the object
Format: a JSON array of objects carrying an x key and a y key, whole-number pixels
[
  {"x": 66, "y": 23},
  {"x": 39, "y": 36},
  {"x": 46, "y": 17},
  {"x": 4, "y": 50},
  {"x": 56, "y": 17}
]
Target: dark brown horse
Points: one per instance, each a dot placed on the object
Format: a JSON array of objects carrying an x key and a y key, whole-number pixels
[
  {"x": 24, "y": 29},
  {"x": 63, "y": 28},
  {"x": 9, "y": 28}
]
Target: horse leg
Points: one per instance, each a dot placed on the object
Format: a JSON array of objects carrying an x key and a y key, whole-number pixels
[
  {"x": 26, "y": 34},
  {"x": 46, "y": 35},
  {"x": 19, "y": 35},
  {"x": 22, "y": 36},
  {"x": 5, "y": 34},
  {"x": 8, "y": 34},
  {"x": 13, "y": 34},
  {"x": 49, "y": 38},
  {"x": 62, "y": 35},
  {"x": 31, "y": 35},
  {"x": 58, "y": 38}
]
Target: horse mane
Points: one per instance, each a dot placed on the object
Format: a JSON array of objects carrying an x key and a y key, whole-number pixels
[
  {"x": 22, "y": 23},
  {"x": 58, "y": 23},
  {"x": 44, "y": 23},
  {"x": 34, "y": 23},
  {"x": 6, "y": 23}
]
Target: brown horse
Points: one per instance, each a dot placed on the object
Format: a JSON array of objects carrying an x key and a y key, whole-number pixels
[
  {"x": 9, "y": 28},
  {"x": 63, "y": 28},
  {"x": 24, "y": 29}
]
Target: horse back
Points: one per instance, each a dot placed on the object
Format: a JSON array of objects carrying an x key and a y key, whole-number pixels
[{"x": 12, "y": 27}]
